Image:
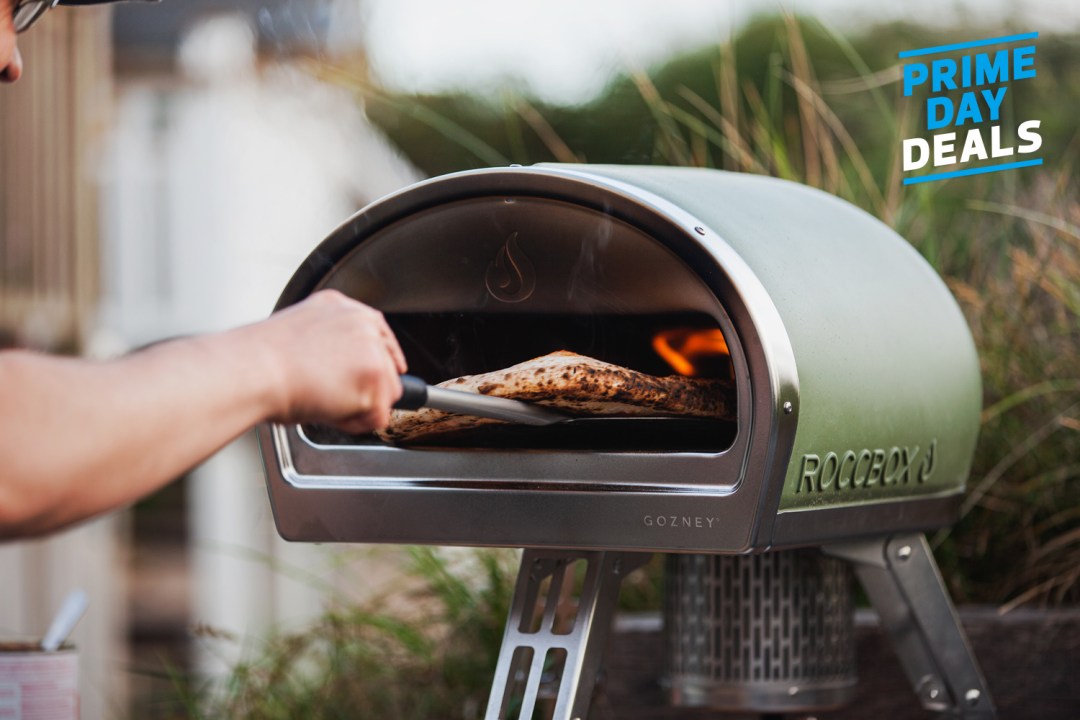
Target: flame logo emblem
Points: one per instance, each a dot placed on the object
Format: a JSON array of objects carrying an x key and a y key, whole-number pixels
[{"x": 510, "y": 277}]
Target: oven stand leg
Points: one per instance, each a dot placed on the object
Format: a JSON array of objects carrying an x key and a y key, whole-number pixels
[
  {"x": 902, "y": 580},
  {"x": 542, "y": 642}
]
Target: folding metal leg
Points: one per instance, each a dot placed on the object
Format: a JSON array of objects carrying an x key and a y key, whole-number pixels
[
  {"x": 902, "y": 580},
  {"x": 539, "y": 642}
]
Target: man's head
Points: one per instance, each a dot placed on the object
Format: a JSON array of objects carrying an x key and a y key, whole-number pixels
[
  {"x": 17, "y": 16},
  {"x": 10, "y": 60}
]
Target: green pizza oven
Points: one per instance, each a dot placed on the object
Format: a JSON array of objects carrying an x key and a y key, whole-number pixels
[{"x": 853, "y": 375}]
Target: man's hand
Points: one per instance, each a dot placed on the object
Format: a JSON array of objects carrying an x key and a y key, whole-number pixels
[{"x": 337, "y": 360}]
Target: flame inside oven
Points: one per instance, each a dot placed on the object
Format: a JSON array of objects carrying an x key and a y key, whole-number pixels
[{"x": 692, "y": 352}]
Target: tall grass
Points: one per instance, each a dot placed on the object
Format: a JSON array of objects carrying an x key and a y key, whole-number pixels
[{"x": 1019, "y": 538}]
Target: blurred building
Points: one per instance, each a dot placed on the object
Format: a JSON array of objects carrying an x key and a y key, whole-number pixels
[{"x": 175, "y": 195}]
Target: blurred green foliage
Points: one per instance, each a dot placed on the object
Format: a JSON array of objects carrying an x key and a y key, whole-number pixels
[
  {"x": 427, "y": 654},
  {"x": 857, "y": 76}
]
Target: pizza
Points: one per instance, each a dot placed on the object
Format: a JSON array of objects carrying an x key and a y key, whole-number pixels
[{"x": 576, "y": 384}]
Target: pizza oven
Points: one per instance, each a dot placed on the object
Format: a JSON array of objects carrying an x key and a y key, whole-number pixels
[{"x": 853, "y": 392}]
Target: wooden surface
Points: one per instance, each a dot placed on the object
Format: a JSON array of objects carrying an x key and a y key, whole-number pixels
[{"x": 1031, "y": 661}]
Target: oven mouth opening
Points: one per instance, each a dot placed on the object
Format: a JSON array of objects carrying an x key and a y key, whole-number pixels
[{"x": 445, "y": 345}]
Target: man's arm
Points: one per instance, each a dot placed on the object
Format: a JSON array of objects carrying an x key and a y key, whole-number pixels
[{"x": 78, "y": 438}]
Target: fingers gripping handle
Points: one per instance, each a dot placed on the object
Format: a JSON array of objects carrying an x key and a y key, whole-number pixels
[{"x": 414, "y": 393}]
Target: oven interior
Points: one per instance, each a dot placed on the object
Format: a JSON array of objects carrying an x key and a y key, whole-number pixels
[{"x": 475, "y": 286}]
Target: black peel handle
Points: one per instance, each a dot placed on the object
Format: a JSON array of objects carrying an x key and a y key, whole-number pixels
[{"x": 414, "y": 393}]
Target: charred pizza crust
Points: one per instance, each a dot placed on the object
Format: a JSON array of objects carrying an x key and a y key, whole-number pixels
[{"x": 573, "y": 383}]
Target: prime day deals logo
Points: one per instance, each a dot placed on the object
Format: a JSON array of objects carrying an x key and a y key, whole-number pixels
[{"x": 966, "y": 88}]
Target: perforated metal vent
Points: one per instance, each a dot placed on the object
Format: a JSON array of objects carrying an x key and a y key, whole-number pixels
[{"x": 769, "y": 632}]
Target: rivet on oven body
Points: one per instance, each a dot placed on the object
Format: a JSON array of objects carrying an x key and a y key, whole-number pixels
[
  {"x": 972, "y": 696},
  {"x": 788, "y": 408},
  {"x": 699, "y": 230},
  {"x": 904, "y": 552},
  {"x": 929, "y": 689}
]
